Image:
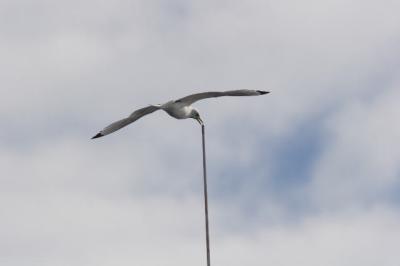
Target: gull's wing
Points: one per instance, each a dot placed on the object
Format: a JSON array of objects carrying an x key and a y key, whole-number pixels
[
  {"x": 204, "y": 95},
  {"x": 126, "y": 121}
]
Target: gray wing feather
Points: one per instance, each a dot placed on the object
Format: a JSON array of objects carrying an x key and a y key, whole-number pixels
[
  {"x": 130, "y": 119},
  {"x": 211, "y": 94}
]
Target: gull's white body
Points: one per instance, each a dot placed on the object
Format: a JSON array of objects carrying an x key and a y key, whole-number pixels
[{"x": 179, "y": 109}]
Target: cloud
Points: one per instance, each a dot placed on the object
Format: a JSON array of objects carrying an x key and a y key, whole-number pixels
[
  {"x": 309, "y": 170},
  {"x": 356, "y": 238},
  {"x": 359, "y": 163}
]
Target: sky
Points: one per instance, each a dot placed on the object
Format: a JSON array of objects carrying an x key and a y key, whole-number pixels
[{"x": 308, "y": 175}]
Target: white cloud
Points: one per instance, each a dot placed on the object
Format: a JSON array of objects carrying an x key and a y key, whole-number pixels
[
  {"x": 69, "y": 68},
  {"x": 360, "y": 163},
  {"x": 356, "y": 238}
]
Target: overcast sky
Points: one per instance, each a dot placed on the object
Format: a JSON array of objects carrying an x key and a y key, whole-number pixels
[{"x": 308, "y": 175}]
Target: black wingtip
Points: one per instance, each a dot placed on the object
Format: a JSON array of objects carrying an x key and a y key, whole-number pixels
[
  {"x": 263, "y": 92},
  {"x": 97, "y": 136}
]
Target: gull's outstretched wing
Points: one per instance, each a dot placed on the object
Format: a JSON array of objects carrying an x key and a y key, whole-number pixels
[
  {"x": 126, "y": 121},
  {"x": 204, "y": 95}
]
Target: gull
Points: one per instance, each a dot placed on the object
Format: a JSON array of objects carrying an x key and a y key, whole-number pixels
[{"x": 179, "y": 109}]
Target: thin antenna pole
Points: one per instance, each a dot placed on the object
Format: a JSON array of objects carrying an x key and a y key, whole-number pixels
[{"x": 205, "y": 195}]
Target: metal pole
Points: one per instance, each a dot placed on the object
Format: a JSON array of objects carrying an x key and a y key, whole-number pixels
[{"x": 205, "y": 195}]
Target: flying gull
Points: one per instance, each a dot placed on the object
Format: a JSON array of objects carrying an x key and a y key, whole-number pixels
[{"x": 180, "y": 109}]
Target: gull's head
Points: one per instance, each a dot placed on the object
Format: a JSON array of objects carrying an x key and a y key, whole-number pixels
[{"x": 195, "y": 115}]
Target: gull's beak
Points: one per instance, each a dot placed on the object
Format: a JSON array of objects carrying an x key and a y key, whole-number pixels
[{"x": 200, "y": 121}]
